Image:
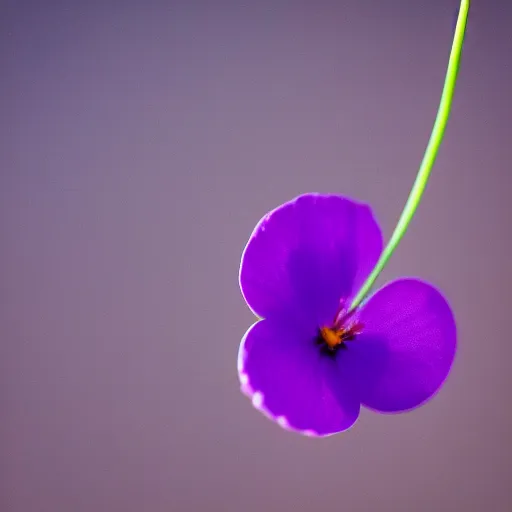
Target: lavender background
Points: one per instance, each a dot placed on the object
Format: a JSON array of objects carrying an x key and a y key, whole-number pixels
[{"x": 140, "y": 144}]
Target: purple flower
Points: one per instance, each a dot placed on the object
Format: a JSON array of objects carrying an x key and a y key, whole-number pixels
[{"x": 308, "y": 364}]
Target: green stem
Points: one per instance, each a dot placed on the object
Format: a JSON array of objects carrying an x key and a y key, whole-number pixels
[{"x": 430, "y": 154}]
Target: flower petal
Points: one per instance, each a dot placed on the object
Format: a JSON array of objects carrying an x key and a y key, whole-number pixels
[
  {"x": 407, "y": 346},
  {"x": 307, "y": 254},
  {"x": 293, "y": 383}
]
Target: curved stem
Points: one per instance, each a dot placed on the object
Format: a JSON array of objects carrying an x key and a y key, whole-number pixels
[{"x": 430, "y": 154}]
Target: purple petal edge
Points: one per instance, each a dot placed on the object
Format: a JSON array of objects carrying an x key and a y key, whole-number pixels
[
  {"x": 407, "y": 348},
  {"x": 305, "y": 255},
  {"x": 292, "y": 385}
]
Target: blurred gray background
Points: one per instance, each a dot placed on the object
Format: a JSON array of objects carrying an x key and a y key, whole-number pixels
[{"x": 140, "y": 142}]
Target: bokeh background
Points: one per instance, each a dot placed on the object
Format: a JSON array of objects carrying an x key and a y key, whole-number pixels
[{"x": 140, "y": 142}]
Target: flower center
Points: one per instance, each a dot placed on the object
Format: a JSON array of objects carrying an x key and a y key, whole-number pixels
[{"x": 333, "y": 338}]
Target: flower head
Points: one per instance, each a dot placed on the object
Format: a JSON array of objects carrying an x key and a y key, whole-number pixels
[{"x": 311, "y": 363}]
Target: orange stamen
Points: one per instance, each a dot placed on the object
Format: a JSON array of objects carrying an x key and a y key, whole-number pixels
[{"x": 332, "y": 337}]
